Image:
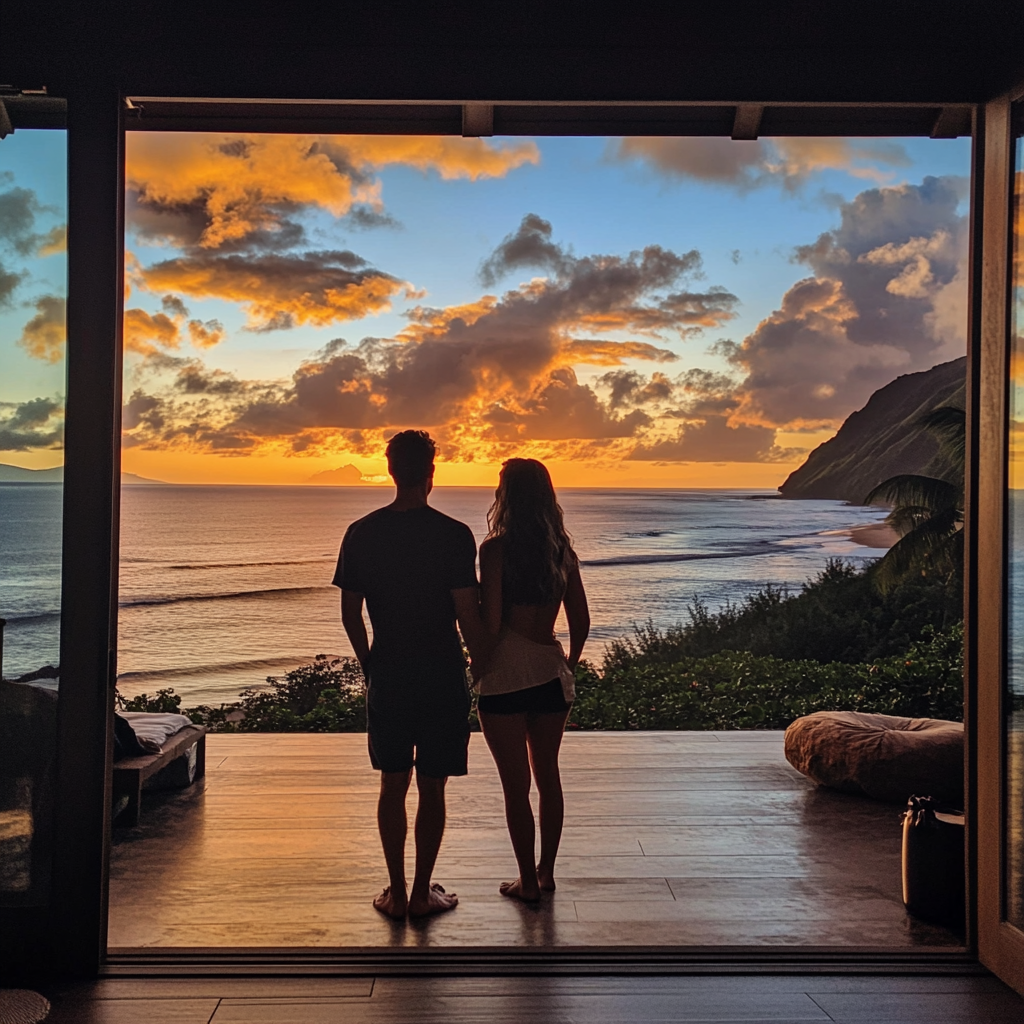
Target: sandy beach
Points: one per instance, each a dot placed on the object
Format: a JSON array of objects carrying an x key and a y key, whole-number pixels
[{"x": 874, "y": 535}]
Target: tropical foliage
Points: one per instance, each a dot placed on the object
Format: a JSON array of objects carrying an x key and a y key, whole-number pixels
[
  {"x": 740, "y": 690},
  {"x": 927, "y": 512},
  {"x": 840, "y": 615},
  {"x": 325, "y": 696}
]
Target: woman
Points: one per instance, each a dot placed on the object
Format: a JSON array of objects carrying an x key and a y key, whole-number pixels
[{"x": 528, "y": 570}]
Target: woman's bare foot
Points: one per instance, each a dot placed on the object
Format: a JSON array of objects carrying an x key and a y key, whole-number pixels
[
  {"x": 391, "y": 904},
  {"x": 546, "y": 879},
  {"x": 436, "y": 901},
  {"x": 517, "y": 891}
]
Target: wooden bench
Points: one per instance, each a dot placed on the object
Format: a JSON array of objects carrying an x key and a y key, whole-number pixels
[{"x": 131, "y": 772}]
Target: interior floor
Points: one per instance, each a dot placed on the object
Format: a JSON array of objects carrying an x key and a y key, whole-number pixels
[{"x": 510, "y": 1000}]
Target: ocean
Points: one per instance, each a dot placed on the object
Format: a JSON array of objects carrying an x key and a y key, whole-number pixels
[{"x": 222, "y": 586}]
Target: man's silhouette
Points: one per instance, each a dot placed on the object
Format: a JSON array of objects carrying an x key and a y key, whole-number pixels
[{"x": 416, "y": 570}]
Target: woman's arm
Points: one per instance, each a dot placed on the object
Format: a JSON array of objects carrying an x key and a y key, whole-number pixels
[
  {"x": 577, "y": 613},
  {"x": 490, "y": 586}
]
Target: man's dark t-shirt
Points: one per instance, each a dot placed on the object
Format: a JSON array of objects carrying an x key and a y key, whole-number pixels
[{"x": 406, "y": 564}]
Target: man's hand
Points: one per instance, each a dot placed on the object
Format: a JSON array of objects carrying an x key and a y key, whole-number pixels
[
  {"x": 355, "y": 627},
  {"x": 467, "y": 611}
]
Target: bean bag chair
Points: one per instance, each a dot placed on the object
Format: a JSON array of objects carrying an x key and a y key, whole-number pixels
[{"x": 880, "y": 756}]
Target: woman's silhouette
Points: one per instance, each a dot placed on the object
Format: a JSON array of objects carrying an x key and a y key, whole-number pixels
[{"x": 528, "y": 570}]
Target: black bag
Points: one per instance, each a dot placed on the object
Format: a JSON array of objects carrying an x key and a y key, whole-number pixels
[{"x": 933, "y": 862}]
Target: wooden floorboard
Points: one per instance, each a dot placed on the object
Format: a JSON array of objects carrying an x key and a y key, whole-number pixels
[
  {"x": 552, "y": 1000},
  {"x": 705, "y": 839}
]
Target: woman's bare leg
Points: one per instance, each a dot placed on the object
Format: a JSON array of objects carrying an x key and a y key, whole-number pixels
[
  {"x": 506, "y": 737},
  {"x": 544, "y": 736}
]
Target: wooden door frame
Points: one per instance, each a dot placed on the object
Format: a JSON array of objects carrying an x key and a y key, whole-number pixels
[
  {"x": 999, "y": 944},
  {"x": 91, "y": 499},
  {"x": 89, "y": 572}
]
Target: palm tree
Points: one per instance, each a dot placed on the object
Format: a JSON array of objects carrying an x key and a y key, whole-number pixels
[{"x": 927, "y": 512}]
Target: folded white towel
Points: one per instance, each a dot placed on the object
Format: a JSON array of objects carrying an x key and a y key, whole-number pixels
[{"x": 155, "y": 726}]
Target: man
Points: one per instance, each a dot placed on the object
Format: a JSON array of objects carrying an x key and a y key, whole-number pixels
[{"x": 416, "y": 570}]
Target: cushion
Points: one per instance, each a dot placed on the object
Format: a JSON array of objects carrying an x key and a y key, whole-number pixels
[
  {"x": 880, "y": 756},
  {"x": 155, "y": 726}
]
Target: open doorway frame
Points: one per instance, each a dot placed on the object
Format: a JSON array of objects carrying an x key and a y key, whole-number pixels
[{"x": 97, "y": 120}]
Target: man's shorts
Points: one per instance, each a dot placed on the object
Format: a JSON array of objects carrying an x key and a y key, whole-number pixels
[{"x": 434, "y": 739}]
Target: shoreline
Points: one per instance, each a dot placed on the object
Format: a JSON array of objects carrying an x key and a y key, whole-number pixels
[{"x": 874, "y": 535}]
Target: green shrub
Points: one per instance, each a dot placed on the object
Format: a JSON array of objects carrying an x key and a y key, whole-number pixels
[
  {"x": 166, "y": 701},
  {"x": 740, "y": 690},
  {"x": 837, "y": 616},
  {"x": 727, "y": 690},
  {"x": 327, "y": 696}
]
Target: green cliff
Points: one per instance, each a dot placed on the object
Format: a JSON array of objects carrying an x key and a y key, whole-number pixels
[{"x": 883, "y": 439}]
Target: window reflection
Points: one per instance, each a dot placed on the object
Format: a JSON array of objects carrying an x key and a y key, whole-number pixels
[
  {"x": 33, "y": 272},
  {"x": 1014, "y": 703}
]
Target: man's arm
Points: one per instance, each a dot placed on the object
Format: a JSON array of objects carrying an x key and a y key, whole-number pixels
[
  {"x": 355, "y": 627},
  {"x": 467, "y": 611}
]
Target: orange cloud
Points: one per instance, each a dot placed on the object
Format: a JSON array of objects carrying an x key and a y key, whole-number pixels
[
  {"x": 612, "y": 353},
  {"x": 205, "y": 335},
  {"x": 751, "y": 164},
  {"x": 280, "y": 291},
  {"x": 486, "y": 375},
  {"x": 686, "y": 313},
  {"x": 209, "y": 191},
  {"x": 235, "y": 181},
  {"x": 797, "y": 158},
  {"x": 434, "y": 323},
  {"x": 451, "y": 157},
  {"x": 44, "y": 335},
  {"x": 147, "y": 333},
  {"x": 54, "y": 242}
]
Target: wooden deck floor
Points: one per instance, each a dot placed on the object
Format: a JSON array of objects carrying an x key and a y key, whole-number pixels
[{"x": 674, "y": 839}]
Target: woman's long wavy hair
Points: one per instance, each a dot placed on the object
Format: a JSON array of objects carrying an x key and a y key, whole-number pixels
[{"x": 537, "y": 553}]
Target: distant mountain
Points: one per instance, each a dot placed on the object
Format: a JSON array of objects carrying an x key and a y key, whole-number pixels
[
  {"x": 883, "y": 439},
  {"x": 17, "y": 475},
  {"x": 343, "y": 476}
]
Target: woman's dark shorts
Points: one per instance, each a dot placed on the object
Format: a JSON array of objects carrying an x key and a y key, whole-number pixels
[
  {"x": 434, "y": 740},
  {"x": 544, "y": 699}
]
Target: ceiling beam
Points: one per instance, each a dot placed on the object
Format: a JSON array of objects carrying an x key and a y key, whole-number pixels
[
  {"x": 477, "y": 120},
  {"x": 952, "y": 122},
  {"x": 746, "y": 123}
]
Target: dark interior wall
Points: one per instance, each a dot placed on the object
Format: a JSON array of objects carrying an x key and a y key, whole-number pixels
[
  {"x": 643, "y": 50},
  {"x": 901, "y": 51}
]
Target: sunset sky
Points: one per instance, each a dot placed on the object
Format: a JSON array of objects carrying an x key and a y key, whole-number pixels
[{"x": 636, "y": 312}]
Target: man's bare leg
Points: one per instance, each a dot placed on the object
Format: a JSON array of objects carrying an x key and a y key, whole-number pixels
[
  {"x": 393, "y": 826},
  {"x": 425, "y": 898}
]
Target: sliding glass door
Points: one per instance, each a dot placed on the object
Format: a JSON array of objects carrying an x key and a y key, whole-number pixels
[{"x": 997, "y": 709}]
